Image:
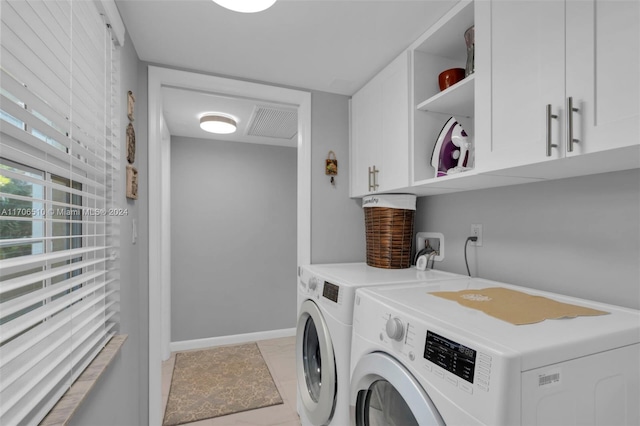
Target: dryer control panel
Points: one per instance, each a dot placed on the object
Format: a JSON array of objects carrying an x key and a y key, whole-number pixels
[
  {"x": 450, "y": 356},
  {"x": 331, "y": 291}
]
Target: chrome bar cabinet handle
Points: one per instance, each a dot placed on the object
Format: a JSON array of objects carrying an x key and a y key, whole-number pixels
[
  {"x": 570, "y": 111},
  {"x": 549, "y": 117},
  {"x": 373, "y": 178}
]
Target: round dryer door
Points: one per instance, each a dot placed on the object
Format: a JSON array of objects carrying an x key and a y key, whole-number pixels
[
  {"x": 316, "y": 365},
  {"x": 383, "y": 392}
]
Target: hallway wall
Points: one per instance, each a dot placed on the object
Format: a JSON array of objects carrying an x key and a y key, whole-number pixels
[{"x": 233, "y": 233}]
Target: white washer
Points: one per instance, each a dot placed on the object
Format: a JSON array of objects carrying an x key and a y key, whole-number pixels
[
  {"x": 323, "y": 338},
  {"x": 433, "y": 361}
]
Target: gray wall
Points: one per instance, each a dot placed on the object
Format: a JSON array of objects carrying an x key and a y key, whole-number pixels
[
  {"x": 577, "y": 236},
  {"x": 337, "y": 222},
  {"x": 233, "y": 233},
  {"x": 120, "y": 397}
]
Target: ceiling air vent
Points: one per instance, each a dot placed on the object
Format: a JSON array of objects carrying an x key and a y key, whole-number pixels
[{"x": 273, "y": 123}]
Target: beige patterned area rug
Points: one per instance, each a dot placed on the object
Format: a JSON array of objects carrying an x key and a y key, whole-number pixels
[{"x": 219, "y": 381}]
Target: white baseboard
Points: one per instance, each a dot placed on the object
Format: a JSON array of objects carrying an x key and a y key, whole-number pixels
[{"x": 186, "y": 345}]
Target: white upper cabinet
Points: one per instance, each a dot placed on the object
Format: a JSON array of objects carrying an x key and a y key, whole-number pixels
[
  {"x": 527, "y": 59},
  {"x": 555, "y": 93},
  {"x": 380, "y": 131},
  {"x": 603, "y": 73},
  {"x": 365, "y": 129},
  {"x": 563, "y": 82}
]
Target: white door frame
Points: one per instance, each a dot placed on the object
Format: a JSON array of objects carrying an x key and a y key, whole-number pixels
[{"x": 159, "y": 219}]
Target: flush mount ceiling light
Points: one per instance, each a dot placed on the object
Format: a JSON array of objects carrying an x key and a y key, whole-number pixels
[
  {"x": 246, "y": 6},
  {"x": 216, "y": 123}
]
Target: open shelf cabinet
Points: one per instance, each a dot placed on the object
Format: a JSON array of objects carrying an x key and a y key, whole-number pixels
[{"x": 440, "y": 48}]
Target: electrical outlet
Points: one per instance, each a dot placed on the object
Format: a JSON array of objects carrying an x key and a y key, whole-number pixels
[{"x": 476, "y": 231}]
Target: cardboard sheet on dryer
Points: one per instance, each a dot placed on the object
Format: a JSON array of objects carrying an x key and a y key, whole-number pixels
[{"x": 516, "y": 307}]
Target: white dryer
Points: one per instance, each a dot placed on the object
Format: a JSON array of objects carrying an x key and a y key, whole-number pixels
[
  {"x": 323, "y": 338},
  {"x": 419, "y": 359}
]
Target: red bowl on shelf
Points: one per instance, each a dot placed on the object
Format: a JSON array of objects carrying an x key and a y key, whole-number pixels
[{"x": 450, "y": 77}]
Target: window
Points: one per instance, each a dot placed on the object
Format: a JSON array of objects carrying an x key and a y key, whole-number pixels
[{"x": 59, "y": 187}]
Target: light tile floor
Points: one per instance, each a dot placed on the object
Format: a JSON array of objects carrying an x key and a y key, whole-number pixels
[{"x": 279, "y": 354}]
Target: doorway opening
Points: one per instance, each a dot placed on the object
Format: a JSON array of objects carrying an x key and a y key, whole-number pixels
[{"x": 159, "y": 197}]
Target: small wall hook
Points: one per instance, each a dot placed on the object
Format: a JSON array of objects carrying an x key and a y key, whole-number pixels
[{"x": 331, "y": 166}]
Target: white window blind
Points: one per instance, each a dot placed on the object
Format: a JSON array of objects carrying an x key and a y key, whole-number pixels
[{"x": 59, "y": 181}]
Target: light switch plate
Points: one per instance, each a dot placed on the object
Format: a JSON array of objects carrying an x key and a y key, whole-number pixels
[{"x": 134, "y": 231}]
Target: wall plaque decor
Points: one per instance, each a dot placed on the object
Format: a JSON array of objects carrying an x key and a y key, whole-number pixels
[
  {"x": 132, "y": 182},
  {"x": 131, "y": 144},
  {"x": 130, "y": 101}
]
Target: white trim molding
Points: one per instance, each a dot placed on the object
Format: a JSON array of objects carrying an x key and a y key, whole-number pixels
[
  {"x": 113, "y": 18},
  {"x": 186, "y": 345}
]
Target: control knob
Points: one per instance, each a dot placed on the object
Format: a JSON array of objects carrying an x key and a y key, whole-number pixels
[
  {"x": 395, "y": 329},
  {"x": 313, "y": 283}
]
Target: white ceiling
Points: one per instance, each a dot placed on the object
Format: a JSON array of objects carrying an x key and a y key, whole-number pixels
[
  {"x": 327, "y": 45},
  {"x": 183, "y": 109}
]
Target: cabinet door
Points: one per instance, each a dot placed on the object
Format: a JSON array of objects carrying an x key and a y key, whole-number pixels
[
  {"x": 394, "y": 143},
  {"x": 380, "y": 130},
  {"x": 527, "y": 73},
  {"x": 365, "y": 137},
  {"x": 603, "y": 72}
]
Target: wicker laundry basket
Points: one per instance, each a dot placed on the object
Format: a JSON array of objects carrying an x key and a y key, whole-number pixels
[{"x": 389, "y": 227}]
